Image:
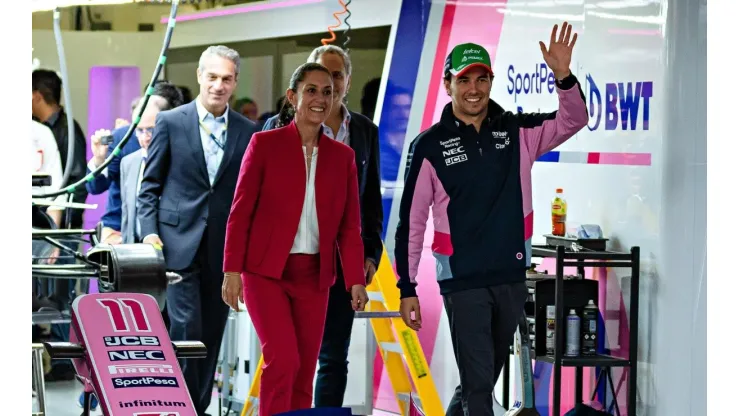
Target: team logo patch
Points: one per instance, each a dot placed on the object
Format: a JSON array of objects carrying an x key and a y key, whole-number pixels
[
  {"x": 453, "y": 151},
  {"x": 501, "y": 138}
]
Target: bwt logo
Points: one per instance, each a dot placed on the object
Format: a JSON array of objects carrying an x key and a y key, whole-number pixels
[{"x": 620, "y": 104}]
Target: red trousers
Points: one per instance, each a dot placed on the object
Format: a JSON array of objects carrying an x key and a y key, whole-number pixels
[{"x": 288, "y": 316}]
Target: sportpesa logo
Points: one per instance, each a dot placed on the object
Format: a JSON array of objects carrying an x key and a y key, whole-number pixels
[{"x": 623, "y": 105}]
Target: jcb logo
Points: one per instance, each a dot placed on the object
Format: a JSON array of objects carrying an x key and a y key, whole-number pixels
[{"x": 456, "y": 159}]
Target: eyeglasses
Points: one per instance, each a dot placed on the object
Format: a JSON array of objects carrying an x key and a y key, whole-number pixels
[{"x": 140, "y": 131}]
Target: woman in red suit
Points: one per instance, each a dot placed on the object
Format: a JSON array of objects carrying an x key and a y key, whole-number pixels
[{"x": 296, "y": 207}]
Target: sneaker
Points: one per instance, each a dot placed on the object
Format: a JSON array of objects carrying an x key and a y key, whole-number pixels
[{"x": 93, "y": 401}]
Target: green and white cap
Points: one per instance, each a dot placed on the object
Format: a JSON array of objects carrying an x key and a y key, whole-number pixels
[{"x": 466, "y": 56}]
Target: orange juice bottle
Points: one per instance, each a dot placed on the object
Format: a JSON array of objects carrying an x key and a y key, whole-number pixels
[{"x": 559, "y": 213}]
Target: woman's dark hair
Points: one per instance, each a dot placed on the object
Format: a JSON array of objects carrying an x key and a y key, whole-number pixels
[{"x": 287, "y": 112}]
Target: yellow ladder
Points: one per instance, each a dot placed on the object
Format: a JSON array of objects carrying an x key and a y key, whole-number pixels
[{"x": 398, "y": 352}]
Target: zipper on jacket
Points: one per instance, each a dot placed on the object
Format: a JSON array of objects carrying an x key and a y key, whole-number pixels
[{"x": 308, "y": 181}]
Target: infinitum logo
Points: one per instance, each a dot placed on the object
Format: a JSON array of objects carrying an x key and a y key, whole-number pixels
[
  {"x": 157, "y": 414},
  {"x": 151, "y": 403}
]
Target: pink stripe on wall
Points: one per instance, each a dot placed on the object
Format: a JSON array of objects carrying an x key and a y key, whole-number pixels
[
  {"x": 239, "y": 10},
  {"x": 472, "y": 21},
  {"x": 437, "y": 70},
  {"x": 529, "y": 226}
]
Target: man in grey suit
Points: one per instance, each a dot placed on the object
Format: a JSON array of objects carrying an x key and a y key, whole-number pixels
[
  {"x": 132, "y": 170},
  {"x": 186, "y": 193}
]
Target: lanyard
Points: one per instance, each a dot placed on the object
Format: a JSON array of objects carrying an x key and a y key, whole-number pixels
[{"x": 208, "y": 132}]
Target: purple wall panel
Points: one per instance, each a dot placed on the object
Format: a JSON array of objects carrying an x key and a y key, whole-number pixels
[{"x": 111, "y": 91}]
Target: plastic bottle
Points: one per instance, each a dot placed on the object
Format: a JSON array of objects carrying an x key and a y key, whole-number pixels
[
  {"x": 589, "y": 328},
  {"x": 572, "y": 334},
  {"x": 559, "y": 209}
]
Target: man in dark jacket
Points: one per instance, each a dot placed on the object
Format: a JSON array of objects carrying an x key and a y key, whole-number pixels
[
  {"x": 46, "y": 108},
  {"x": 473, "y": 169}
]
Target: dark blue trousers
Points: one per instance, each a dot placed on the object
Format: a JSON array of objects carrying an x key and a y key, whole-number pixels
[
  {"x": 197, "y": 313},
  {"x": 331, "y": 380}
]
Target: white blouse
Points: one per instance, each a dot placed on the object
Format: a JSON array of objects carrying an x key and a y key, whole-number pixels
[{"x": 307, "y": 238}]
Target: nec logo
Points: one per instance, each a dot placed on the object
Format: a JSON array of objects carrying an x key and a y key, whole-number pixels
[
  {"x": 129, "y": 355},
  {"x": 455, "y": 151},
  {"x": 456, "y": 159}
]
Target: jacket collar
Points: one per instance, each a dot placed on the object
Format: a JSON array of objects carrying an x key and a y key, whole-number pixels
[{"x": 452, "y": 123}]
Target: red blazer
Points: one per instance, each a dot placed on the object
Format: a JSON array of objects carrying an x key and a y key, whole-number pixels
[{"x": 268, "y": 202}]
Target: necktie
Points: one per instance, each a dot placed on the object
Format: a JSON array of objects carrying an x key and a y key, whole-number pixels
[{"x": 215, "y": 129}]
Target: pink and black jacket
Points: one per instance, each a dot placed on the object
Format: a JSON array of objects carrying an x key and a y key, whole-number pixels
[{"x": 479, "y": 186}]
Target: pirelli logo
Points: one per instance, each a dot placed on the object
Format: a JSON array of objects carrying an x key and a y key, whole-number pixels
[{"x": 456, "y": 159}]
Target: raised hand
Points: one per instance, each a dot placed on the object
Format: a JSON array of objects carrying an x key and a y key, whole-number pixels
[{"x": 557, "y": 55}]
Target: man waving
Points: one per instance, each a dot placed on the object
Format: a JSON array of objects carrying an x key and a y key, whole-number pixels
[{"x": 473, "y": 168}]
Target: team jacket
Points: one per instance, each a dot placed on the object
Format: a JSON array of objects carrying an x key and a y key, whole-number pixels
[{"x": 479, "y": 186}]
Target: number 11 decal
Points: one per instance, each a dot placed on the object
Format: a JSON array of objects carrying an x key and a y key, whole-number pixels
[{"x": 118, "y": 309}]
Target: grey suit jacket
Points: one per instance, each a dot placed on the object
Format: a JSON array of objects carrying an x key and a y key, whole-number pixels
[{"x": 130, "y": 168}]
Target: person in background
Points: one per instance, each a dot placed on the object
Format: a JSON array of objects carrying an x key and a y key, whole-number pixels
[
  {"x": 480, "y": 194},
  {"x": 47, "y": 108},
  {"x": 248, "y": 108},
  {"x": 186, "y": 192},
  {"x": 269, "y": 114},
  {"x": 281, "y": 253},
  {"x": 132, "y": 170},
  {"x": 122, "y": 122},
  {"x": 187, "y": 95},
  {"x": 45, "y": 159},
  {"x": 370, "y": 98},
  {"x": 122, "y": 198},
  {"x": 358, "y": 132},
  {"x": 46, "y": 96},
  {"x": 166, "y": 96}
]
